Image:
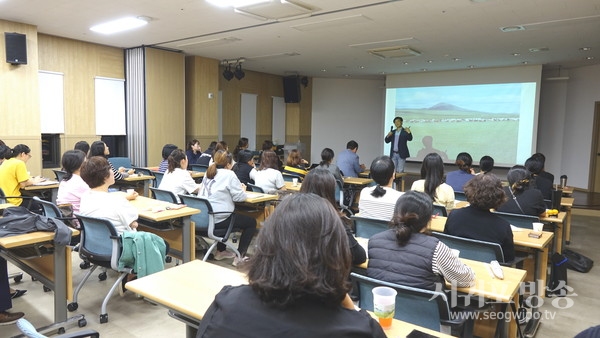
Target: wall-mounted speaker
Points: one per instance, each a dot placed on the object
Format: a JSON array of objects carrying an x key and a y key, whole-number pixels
[
  {"x": 16, "y": 48},
  {"x": 291, "y": 89}
]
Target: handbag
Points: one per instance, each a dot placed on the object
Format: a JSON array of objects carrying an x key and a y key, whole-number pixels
[
  {"x": 68, "y": 217},
  {"x": 577, "y": 261}
]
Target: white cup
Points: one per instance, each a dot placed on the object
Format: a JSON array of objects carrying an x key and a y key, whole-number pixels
[
  {"x": 537, "y": 226},
  {"x": 455, "y": 252},
  {"x": 130, "y": 191},
  {"x": 384, "y": 305},
  {"x": 294, "y": 182}
]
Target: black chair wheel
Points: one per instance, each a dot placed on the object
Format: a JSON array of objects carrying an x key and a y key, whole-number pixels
[
  {"x": 168, "y": 259},
  {"x": 61, "y": 330},
  {"x": 46, "y": 289},
  {"x": 102, "y": 276},
  {"x": 72, "y": 306},
  {"x": 84, "y": 265},
  {"x": 104, "y": 318},
  {"x": 18, "y": 278},
  {"x": 82, "y": 322}
]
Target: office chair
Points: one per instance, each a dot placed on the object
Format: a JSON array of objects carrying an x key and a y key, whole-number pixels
[
  {"x": 290, "y": 178},
  {"x": 473, "y": 249},
  {"x": 367, "y": 227},
  {"x": 30, "y": 331},
  {"x": 101, "y": 246},
  {"x": 205, "y": 223},
  {"x": 518, "y": 220},
  {"x": 118, "y": 162},
  {"x": 339, "y": 196},
  {"x": 199, "y": 167},
  {"x": 60, "y": 174},
  {"x": 421, "y": 307},
  {"x": 255, "y": 188},
  {"x": 460, "y": 196},
  {"x": 158, "y": 176},
  {"x": 146, "y": 172},
  {"x": 164, "y": 195}
]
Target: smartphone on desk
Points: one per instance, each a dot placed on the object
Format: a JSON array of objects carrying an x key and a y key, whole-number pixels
[{"x": 419, "y": 334}]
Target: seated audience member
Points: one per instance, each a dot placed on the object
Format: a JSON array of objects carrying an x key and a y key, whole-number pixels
[
  {"x": 166, "y": 151},
  {"x": 486, "y": 164},
  {"x": 221, "y": 145},
  {"x": 222, "y": 188},
  {"x": 295, "y": 164},
  {"x": 298, "y": 287},
  {"x": 14, "y": 175},
  {"x": 405, "y": 255},
  {"x": 5, "y": 152},
  {"x": 432, "y": 182},
  {"x": 379, "y": 201},
  {"x": 348, "y": 160},
  {"x": 99, "y": 148},
  {"x": 242, "y": 145},
  {"x": 458, "y": 178},
  {"x": 267, "y": 176},
  {"x": 326, "y": 163},
  {"x": 521, "y": 199},
  {"x": 207, "y": 155},
  {"x": 543, "y": 173},
  {"x": 535, "y": 166},
  {"x": 83, "y": 146},
  {"x": 268, "y": 145},
  {"x": 193, "y": 152},
  {"x": 72, "y": 187},
  {"x": 243, "y": 166},
  {"x": 177, "y": 179},
  {"x": 98, "y": 202},
  {"x": 484, "y": 192},
  {"x": 321, "y": 182}
]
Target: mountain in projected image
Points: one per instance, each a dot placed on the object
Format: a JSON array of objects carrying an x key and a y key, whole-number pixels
[{"x": 449, "y": 112}]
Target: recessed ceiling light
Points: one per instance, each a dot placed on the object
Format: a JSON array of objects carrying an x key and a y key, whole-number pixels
[
  {"x": 405, "y": 63},
  {"x": 589, "y": 58},
  {"x": 456, "y": 59},
  {"x": 423, "y": 69},
  {"x": 507, "y": 29},
  {"x": 540, "y": 49},
  {"x": 361, "y": 67},
  {"x": 585, "y": 49},
  {"x": 470, "y": 66},
  {"x": 516, "y": 54},
  {"x": 382, "y": 73},
  {"x": 429, "y": 61},
  {"x": 323, "y": 70},
  {"x": 235, "y": 3},
  {"x": 525, "y": 62},
  {"x": 118, "y": 25}
]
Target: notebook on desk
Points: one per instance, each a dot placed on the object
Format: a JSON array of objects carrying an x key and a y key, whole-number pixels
[{"x": 47, "y": 182}]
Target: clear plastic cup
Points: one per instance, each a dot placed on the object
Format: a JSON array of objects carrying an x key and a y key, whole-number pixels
[{"x": 384, "y": 305}]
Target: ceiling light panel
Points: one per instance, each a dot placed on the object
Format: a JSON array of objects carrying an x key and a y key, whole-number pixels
[
  {"x": 276, "y": 9},
  {"x": 328, "y": 24},
  {"x": 118, "y": 25}
]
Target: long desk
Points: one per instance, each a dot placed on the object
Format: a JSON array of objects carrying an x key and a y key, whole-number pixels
[
  {"x": 358, "y": 181},
  {"x": 52, "y": 269},
  {"x": 398, "y": 177},
  {"x": 198, "y": 282},
  {"x": 291, "y": 187},
  {"x": 179, "y": 239},
  {"x": 42, "y": 190}
]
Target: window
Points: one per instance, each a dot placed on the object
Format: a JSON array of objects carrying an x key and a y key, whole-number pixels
[{"x": 51, "y": 150}]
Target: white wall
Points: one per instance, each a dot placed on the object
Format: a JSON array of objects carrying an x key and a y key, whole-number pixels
[{"x": 345, "y": 110}]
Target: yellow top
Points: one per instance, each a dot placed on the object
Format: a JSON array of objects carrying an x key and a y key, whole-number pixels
[{"x": 13, "y": 172}]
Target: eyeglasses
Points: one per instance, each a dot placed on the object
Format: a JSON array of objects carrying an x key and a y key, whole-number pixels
[{"x": 28, "y": 155}]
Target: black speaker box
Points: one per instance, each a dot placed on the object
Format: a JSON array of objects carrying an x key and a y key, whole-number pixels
[
  {"x": 291, "y": 89},
  {"x": 16, "y": 48}
]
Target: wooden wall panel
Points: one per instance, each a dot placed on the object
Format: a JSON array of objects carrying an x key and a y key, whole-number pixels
[
  {"x": 19, "y": 96},
  {"x": 202, "y": 79},
  {"x": 165, "y": 101}
]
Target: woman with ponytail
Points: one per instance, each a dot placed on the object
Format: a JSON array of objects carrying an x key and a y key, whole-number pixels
[
  {"x": 72, "y": 187},
  {"x": 405, "y": 255},
  {"x": 222, "y": 188},
  {"x": 14, "y": 175},
  {"x": 458, "y": 178},
  {"x": 378, "y": 202},
  {"x": 326, "y": 163},
  {"x": 521, "y": 198}
]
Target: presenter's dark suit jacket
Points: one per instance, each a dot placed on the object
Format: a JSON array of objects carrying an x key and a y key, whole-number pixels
[{"x": 402, "y": 146}]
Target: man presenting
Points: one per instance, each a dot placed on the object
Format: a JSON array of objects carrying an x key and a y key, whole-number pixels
[{"x": 399, "y": 149}]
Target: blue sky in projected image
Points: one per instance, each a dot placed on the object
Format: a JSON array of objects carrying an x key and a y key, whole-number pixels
[{"x": 492, "y": 98}]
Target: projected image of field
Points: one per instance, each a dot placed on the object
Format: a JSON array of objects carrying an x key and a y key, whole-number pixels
[{"x": 451, "y": 131}]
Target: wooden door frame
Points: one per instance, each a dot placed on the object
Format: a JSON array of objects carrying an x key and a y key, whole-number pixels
[{"x": 594, "y": 151}]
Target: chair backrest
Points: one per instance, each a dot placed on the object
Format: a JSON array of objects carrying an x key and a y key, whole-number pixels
[
  {"x": 199, "y": 167},
  {"x": 518, "y": 220},
  {"x": 290, "y": 178},
  {"x": 440, "y": 210},
  {"x": 417, "y": 306},
  {"x": 460, "y": 196},
  {"x": 339, "y": 193},
  {"x": 367, "y": 227},
  {"x": 548, "y": 204},
  {"x": 158, "y": 176},
  {"x": 50, "y": 209},
  {"x": 255, "y": 188},
  {"x": 204, "y": 220},
  {"x": 118, "y": 162},
  {"x": 473, "y": 249},
  {"x": 164, "y": 195},
  {"x": 143, "y": 171},
  {"x": 60, "y": 174},
  {"x": 96, "y": 242}
]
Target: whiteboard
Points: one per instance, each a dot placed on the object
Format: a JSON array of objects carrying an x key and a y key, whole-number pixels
[
  {"x": 248, "y": 118},
  {"x": 110, "y": 106},
  {"x": 278, "y": 131},
  {"x": 52, "y": 109}
]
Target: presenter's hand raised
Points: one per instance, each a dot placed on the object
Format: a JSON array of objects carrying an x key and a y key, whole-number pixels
[{"x": 407, "y": 129}]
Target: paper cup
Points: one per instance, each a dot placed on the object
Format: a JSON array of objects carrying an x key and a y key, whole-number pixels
[
  {"x": 538, "y": 226},
  {"x": 130, "y": 191},
  {"x": 294, "y": 182},
  {"x": 455, "y": 252},
  {"x": 384, "y": 305}
]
